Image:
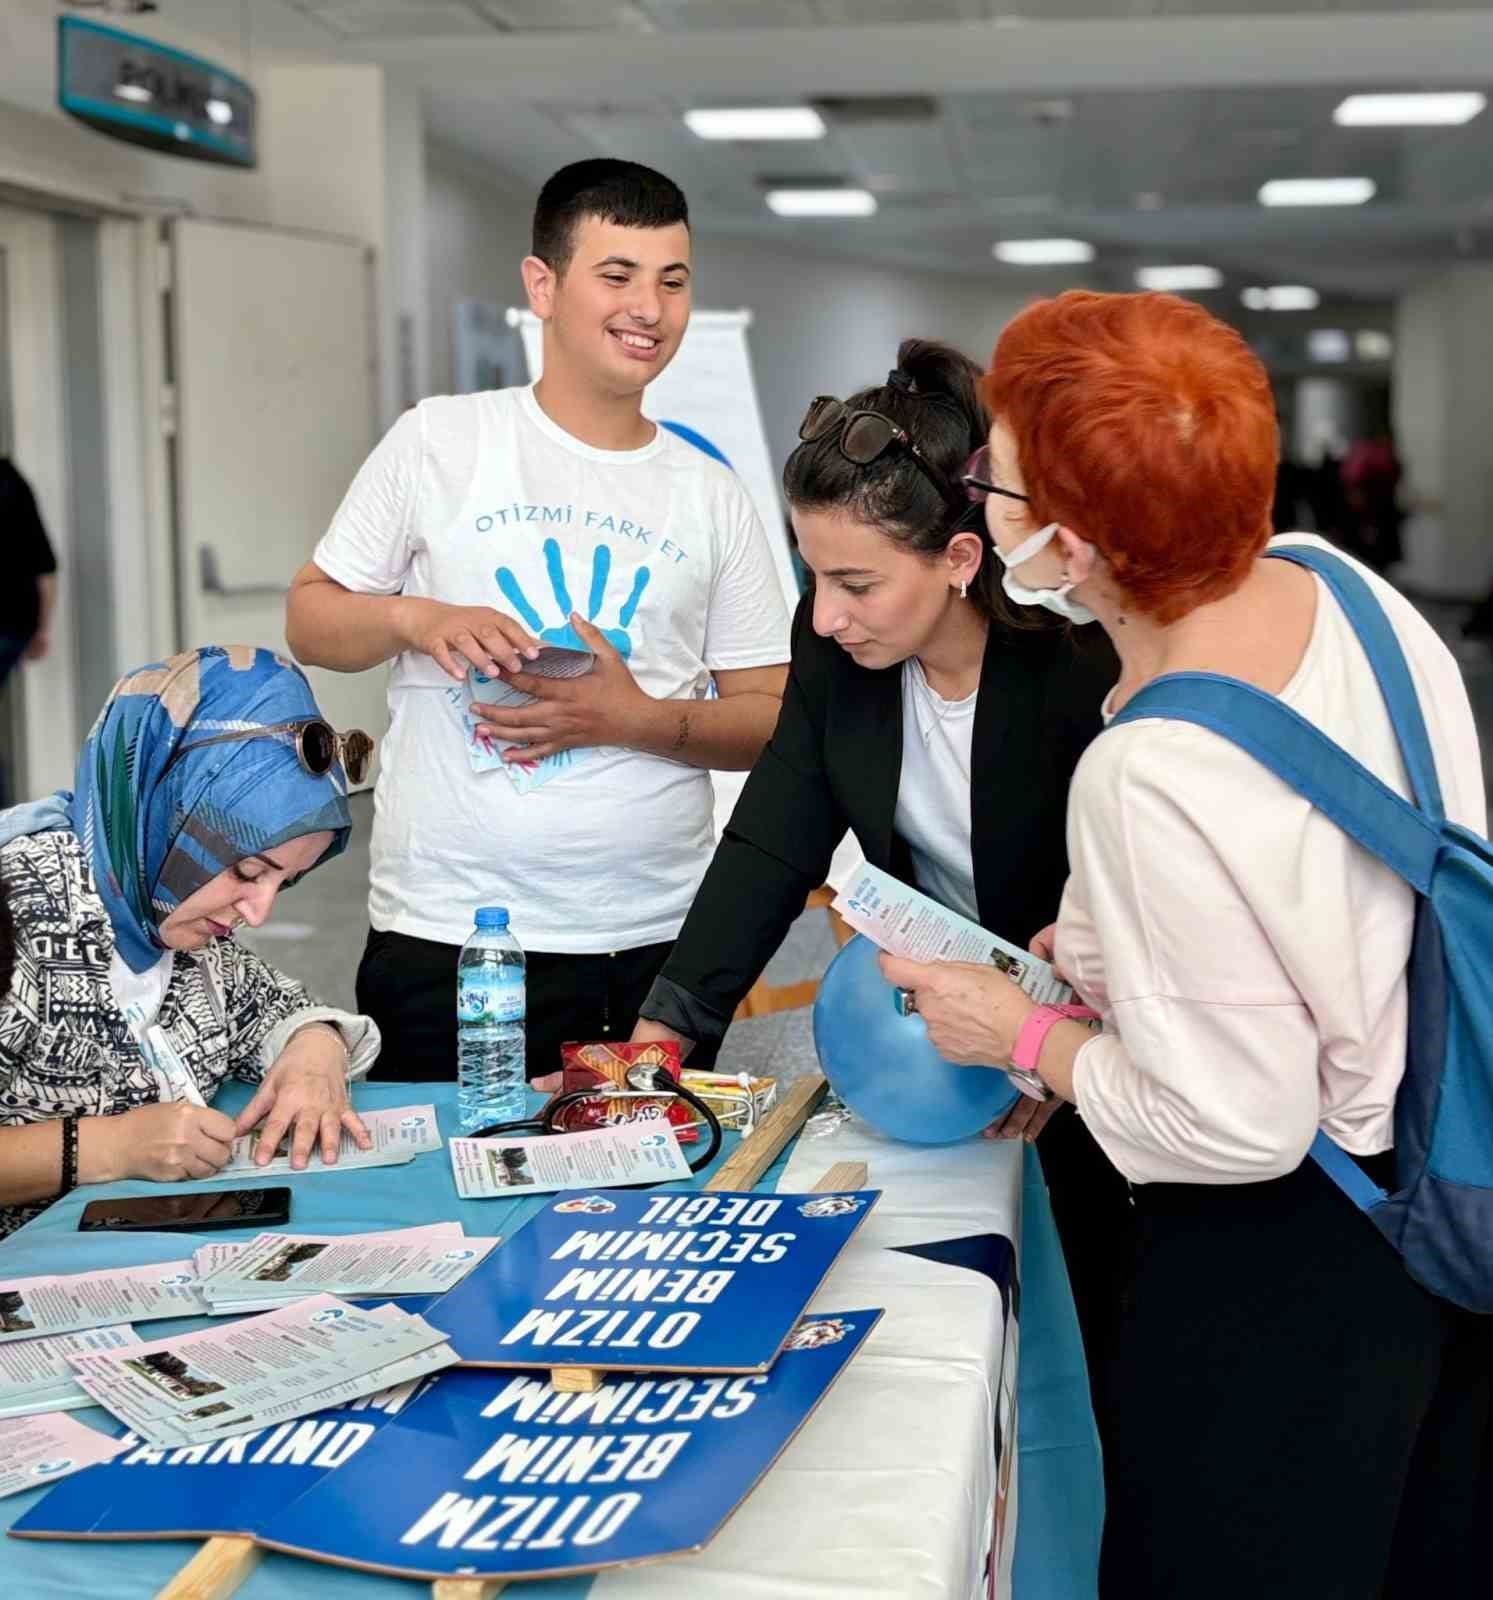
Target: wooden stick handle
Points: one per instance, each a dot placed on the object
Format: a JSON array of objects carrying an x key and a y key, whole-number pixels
[
  {"x": 575, "y": 1380},
  {"x": 215, "y": 1572},
  {"x": 467, "y": 1588},
  {"x": 842, "y": 1176},
  {"x": 757, "y": 1152}
]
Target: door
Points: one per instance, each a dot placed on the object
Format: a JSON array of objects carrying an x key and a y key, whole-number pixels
[
  {"x": 38, "y": 724},
  {"x": 274, "y": 375}
]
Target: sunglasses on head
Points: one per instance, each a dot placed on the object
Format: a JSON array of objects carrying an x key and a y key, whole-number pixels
[
  {"x": 976, "y": 480},
  {"x": 866, "y": 436},
  {"x": 318, "y": 746}
]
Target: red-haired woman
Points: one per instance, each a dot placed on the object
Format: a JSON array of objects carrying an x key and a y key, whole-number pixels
[{"x": 1288, "y": 1413}]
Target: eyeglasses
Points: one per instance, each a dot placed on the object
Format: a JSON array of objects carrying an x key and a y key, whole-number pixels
[
  {"x": 976, "y": 480},
  {"x": 318, "y": 746},
  {"x": 866, "y": 436}
]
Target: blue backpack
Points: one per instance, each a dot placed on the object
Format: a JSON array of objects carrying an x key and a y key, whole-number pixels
[{"x": 1440, "y": 1215}]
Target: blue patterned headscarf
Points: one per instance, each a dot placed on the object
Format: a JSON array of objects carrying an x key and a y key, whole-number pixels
[{"x": 155, "y": 837}]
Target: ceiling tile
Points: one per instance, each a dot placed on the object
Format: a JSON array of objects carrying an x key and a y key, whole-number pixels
[
  {"x": 878, "y": 13},
  {"x": 674, "y": 16},
  {"x": 1146, "y": 174},
  {"x": 396, "y": 19},
  {"x": 553, "y": 16},
  {"x": 896, "y": 155}
]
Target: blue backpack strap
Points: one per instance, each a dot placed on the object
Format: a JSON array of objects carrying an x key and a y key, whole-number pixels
[
  {"x": 1387, "y": 658},
  {"x": 1345, "y": 1172},
  {"x": 1300, "y": 754}
]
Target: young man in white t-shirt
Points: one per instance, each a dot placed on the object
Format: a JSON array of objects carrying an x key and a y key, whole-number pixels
[{"x": 486, "y": 526}]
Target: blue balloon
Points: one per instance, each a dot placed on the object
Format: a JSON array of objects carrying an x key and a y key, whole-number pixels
[{"x": 883, "y": 1065}]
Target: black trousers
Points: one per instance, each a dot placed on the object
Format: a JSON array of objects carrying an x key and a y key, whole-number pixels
[
  {"x": 408, "y": 987},
  {"x": 1096, "y": 1228},
  {"x": 1286, "y": 1412}
]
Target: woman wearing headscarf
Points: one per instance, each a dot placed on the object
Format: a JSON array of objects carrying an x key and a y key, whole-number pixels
[
  {"x": 1289, "y": 1413},
  {"x": 208, "y": 783}
]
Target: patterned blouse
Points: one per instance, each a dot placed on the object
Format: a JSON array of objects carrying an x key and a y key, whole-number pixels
[{"x": 65, "y": 1047}]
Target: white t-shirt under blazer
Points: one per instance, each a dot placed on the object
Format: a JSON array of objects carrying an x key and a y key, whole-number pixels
[
  {"x": 483, "y": 500},
  {"x": 1248, "y": 957}
]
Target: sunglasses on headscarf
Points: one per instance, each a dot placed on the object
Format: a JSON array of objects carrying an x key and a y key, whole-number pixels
[{"x": 318, "y": 746}]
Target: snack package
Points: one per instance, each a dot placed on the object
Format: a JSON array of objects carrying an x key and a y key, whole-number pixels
[
  {"x": 738, "y": 1100},
  {"x": 604, "y": 1066}
]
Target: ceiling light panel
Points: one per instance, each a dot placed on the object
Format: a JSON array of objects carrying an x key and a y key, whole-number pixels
[
  {"x": 1043, "y": 252},
  {"x": 1281, "y": 297},
  {"x": 1178, "y": 280},
  {"x": 1317, "y": 191},
  {"x": 1449, "y": 110},
  {"x": 1373, "y": 344},
  {"x": 1328, "y": 345},
  {"x": 821, "y": 202},
  {"x": 756, "y": 123}
]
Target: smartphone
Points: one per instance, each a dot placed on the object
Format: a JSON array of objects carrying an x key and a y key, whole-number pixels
[
  {"x": 560, "y": 661},
  {"x": 188, "y": 1213}
]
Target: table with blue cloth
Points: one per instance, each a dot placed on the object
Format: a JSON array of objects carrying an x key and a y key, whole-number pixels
[{"x": 893, "y": 1489}]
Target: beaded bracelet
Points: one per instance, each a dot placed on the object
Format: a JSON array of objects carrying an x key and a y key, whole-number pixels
[{"x": 69, "y": 1155}]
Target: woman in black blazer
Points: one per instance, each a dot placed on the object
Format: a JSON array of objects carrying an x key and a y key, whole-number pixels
[{"x": 911, "y": 689}]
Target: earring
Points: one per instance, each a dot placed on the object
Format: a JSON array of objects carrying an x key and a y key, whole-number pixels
[{"x": 964, "y": 588}]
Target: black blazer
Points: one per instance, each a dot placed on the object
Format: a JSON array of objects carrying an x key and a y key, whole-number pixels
[{"x": 835, "y": 761}]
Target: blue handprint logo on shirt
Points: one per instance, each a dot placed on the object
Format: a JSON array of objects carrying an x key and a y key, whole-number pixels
[{"x": 565, "y": 634}]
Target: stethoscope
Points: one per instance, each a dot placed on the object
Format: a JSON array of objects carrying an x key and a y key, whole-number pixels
[{"x": 643, "y": 1083}]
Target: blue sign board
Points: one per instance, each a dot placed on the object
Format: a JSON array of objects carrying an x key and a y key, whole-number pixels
[
  {"x": 661, "y": 1282},
  {"x": 483, "y": 1474},
  {"x": 230, "y": 1486},
  {"x": 496, "y": 1475},
  {"x": 148, "y": 94}
]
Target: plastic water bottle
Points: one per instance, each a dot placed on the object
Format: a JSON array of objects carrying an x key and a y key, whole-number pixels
[{"x": 490, "y": 1024}]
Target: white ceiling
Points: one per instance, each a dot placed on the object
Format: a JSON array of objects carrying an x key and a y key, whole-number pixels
[
  {"x": 428, "y": 18},
  {"x": 1144, "y": 126}
]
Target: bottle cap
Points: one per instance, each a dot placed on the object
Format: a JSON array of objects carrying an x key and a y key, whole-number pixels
[{"x": 495, "y": 917}]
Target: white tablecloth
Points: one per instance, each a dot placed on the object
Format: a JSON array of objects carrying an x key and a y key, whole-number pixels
[{"x": 890, "y": 1489}]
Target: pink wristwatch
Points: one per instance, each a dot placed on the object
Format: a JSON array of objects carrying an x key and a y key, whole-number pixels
[{"x": 1024, "y": 1053}]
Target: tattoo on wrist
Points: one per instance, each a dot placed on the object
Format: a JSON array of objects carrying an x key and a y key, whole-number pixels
[{"x": 682, "y": 737}]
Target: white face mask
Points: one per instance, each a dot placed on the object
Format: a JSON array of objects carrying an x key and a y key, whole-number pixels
[{"x": 1056, "y": 600}]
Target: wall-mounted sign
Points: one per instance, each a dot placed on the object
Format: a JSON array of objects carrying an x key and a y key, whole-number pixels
[{"x": 149, "y": 94}]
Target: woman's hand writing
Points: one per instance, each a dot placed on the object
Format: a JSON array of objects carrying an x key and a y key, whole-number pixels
[{"x": 168, "y": 1142}]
